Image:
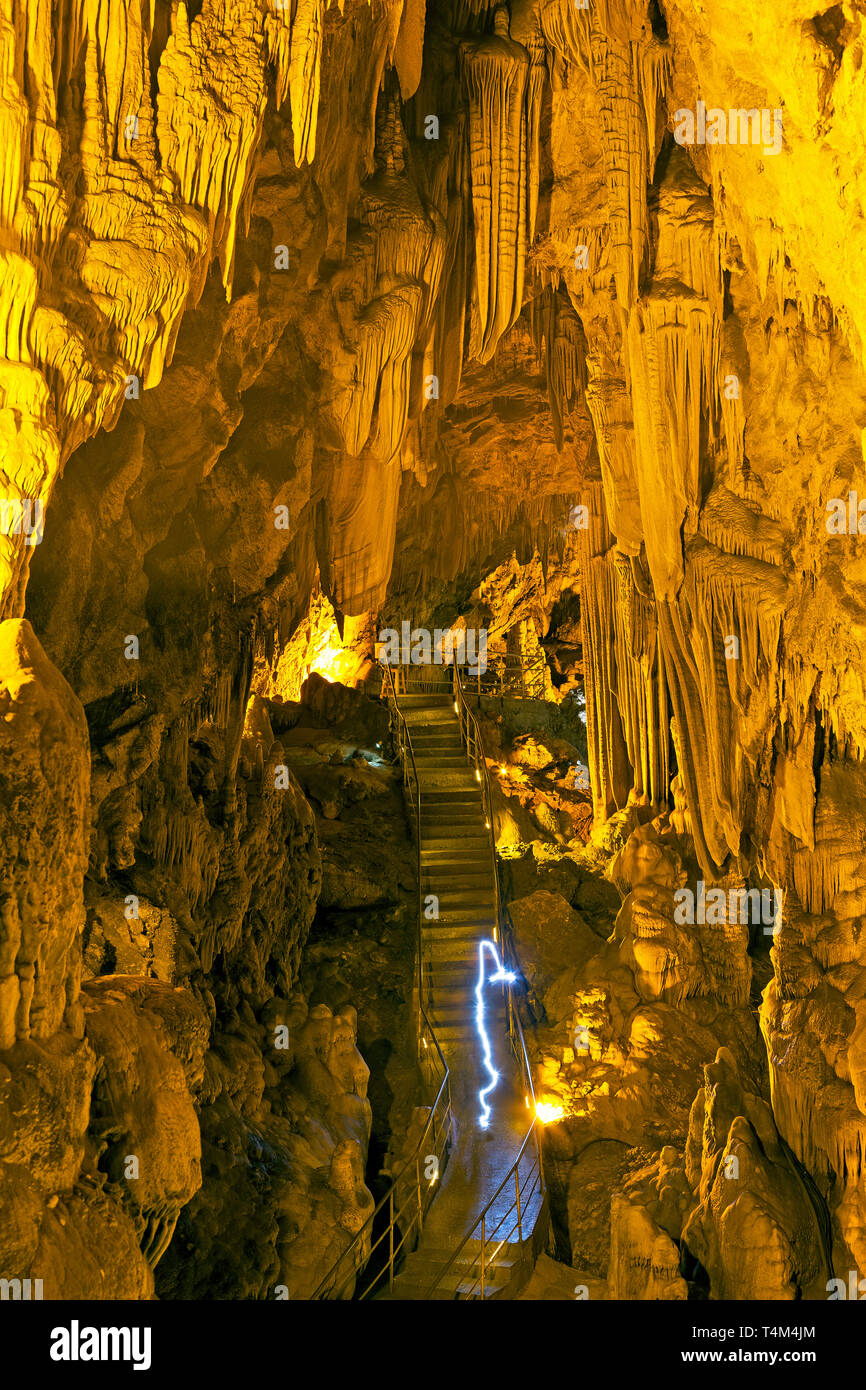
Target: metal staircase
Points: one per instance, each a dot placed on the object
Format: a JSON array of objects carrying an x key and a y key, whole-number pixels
[{"x": 481, "y": 1236}]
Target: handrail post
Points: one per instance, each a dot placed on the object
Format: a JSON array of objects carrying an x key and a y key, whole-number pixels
[
  {"x": 391, "y": 1242},
  {"x": 420, "y": 1209},
  {"x": 517, "y": 1191},
  {"x": 483, "y": 1253}
]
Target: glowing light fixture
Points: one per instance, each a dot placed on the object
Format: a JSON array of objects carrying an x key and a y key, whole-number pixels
[
  {"x": 502, "y": 768},
  {"x": 548, "y": 1113},
  {"x": 477, "y": 775},
  {"x": 501, "y": 975}
]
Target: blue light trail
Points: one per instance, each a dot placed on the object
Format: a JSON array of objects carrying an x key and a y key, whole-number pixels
[{"x": 502, "y": 976}]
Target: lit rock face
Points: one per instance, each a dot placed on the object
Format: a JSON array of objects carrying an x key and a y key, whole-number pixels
[
  {"x": 722, "y": 623},
  {"x": 43, "y": 794},
  {"x": 755, "y": 1230},
  {"x": 150, "y": 1043}
]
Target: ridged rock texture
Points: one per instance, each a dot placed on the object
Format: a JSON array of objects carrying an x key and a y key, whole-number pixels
[{"x": 352, "y": 308}]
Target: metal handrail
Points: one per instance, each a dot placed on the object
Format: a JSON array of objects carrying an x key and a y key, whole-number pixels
[
  {"x": 470, "y": 735},
  {"x": 359, "y": 1253}
]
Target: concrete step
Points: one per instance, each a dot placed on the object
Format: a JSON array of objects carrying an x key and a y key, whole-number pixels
[
  {"x": 453, "y": 795},
  {"x": 459, "y": 823},
  {"x": 451, "y": 952},
  {"x": 462, "y": 1015},
  {"x": 423, "y": 1268},
  {"x": 477, "y": 840},
  {"x": 426, "y": 763},
  {"x": 458, "y": 978},
  {"x": 444, "y": 779},
  {"x": 465, "y": 913},
  {"x": 456, "y": 798},
  {"x": 436, "y": 1260},
  {"x": 458, "y": 900},
  {"x": 459, "y": 854},
  {"x": 458, "y": 921},
  {"x": 455, "y": 878},
  {"x": 460, "y": 1036},
  {"x": 438, "y": 733},
  {"x": 434, "y": 932},
  {"x": 466, "y": 859},
  {"x": 442, "y": 799}
]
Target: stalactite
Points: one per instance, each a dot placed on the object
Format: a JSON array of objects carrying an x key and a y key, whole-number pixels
[
  {"x": 731, "y": 524},
  {"x": 629, "y": 71},
  {"x": 609, "y": 403},
  {"x": 674, "y": 347},
  {"x": 386, "y": 332},
  {"x": 211, "y": 106},
  {"x": 652, "y": 65},
  {"x": 496, "y": 71},
  {"x": 639, "y": 687},
  {"x": 561, "y": 346},
  {"x": 295, "y": 47},
  {"x": 609, "y": 768},
  {"x": 401, "y": 275},
  {"x": 534, "y": 92},
  {"x": 566, "y": 27}
]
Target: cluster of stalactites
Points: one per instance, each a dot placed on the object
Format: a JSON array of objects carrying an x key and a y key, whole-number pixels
[{"x": 628, "y": 68}]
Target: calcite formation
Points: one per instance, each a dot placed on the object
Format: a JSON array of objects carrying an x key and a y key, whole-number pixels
[{"x": 318, "y": 318}]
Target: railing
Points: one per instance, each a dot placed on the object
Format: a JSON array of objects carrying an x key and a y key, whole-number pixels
[
  {"x": 394, "y": 1225},
  {"x": 470, "y": 734},
  {"x": 526, "y": 1177},
  {"x": 510, "y": 674}
]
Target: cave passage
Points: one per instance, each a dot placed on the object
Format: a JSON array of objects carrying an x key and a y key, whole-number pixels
[{"x": 433, "y": 667}]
